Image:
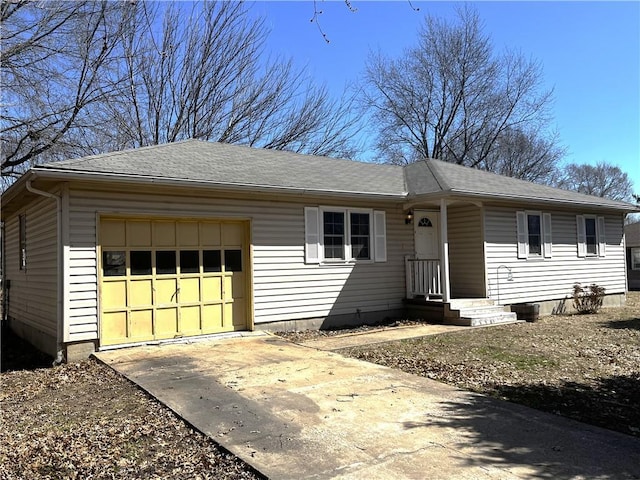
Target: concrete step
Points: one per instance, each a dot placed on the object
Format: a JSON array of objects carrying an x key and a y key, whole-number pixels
[
  {"x": 458, "y": 303},
  {"x": 504, "y": 317},
  {"x": 488, "y": 318},
  {"x": 479, "y": 310}
]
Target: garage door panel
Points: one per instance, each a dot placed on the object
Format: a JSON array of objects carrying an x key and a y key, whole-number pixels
[
  {"x": 212, "y": 289},
  {"x": 114, "y": 294},
  {"x": 187, "y": 234},
  {"x": 227, "y": 321},
  {"x": 113, "y": 233},
  {"x": 141, "y": 293},
  {"x": 166, "y": 291},
  {"x": 237, "y": 285},
  {"x": 164, "y": 234},
  {"x": 190, "y": 320},
  {"x": 233, "y": 234},
  {"x": 239, "y": 314},
  {"x": 139, "y": 233},
  {"x": 166, "y": 323},
  {"x": 190, "y": 290},
  {"x": 212, "y": 318},
  {"x": 114, "y": 327},
  {"x": 228, "y": 288},
  {"x": 210, "y": 234},
  {"x": 141, "y": 324}
]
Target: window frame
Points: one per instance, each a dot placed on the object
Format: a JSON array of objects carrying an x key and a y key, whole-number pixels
[
  {"x": 314, "y": 227},
  {"x": 345, "y": 235},
  {"x": 539, "y": 234},
  {"x": 523, "y": 235},
  {"x": 347, "y": 253},
  {"x": 600, "y": 236},
  {"x": 594, "y": 244},
  {"x": 369, "y": 235}
]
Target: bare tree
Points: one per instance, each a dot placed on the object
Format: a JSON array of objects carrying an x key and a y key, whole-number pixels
[
  {"x": 526, "y": 155},
  {"x": 90, "y": 76},
  {"x": 55, "y": 56},
  {"x": 204, "y": 75},
  {"x": 452, "y": 98},
  {"x": 602, "y": 180}
]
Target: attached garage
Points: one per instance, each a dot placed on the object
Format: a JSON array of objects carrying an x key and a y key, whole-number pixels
[{"x": 171, "y": 278}]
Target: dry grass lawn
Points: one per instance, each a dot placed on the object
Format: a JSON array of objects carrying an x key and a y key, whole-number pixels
[
  {"x": 83, "y": 420},
  {"x": 586, "y": 367}
]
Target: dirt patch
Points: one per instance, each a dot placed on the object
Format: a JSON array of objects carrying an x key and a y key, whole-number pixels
[
  {"x": 585, "y": 367},
  {"x": 85, "y": 421},
  {"x": 304, "y": 335},
  {"x": 16, "y": 354}
]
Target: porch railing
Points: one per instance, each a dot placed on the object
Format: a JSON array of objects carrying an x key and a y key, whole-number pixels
[{"x": 423, "y": 277}]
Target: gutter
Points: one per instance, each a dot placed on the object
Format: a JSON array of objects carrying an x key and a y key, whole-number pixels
[{"x": 60, "y": 304}]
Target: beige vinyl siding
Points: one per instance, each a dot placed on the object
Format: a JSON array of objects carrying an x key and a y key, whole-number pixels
[
  {"x": 466, "y": 258},
  {"x": 284, "y": 287},
  {"x": 33, "y": 297},
  {"x": 550, "y": 278}
]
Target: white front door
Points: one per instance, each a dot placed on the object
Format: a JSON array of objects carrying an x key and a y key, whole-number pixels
[{"x": 426, "y": 234}]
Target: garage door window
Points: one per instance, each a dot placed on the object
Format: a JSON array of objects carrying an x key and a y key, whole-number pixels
[
  {"x": 114, "y": 263},
  {"x": 211, "y": 261},
  {"x": 140, "y": 262},
  {"x": 189, "y": 261},
  {"x": 165, "y": 262},
  {"x": 233, "y": 260}
]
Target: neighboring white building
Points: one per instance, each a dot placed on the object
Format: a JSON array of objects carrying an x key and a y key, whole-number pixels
[{"x": 194, "y": 238}]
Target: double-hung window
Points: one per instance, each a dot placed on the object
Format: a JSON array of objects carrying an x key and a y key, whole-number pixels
[
  {"x": 334, "y": 229},
  {"x": 591, "y": 236},
  {"x": 534, "y": 234},
  {"x": 360, "y": 230},
  {"x": 336, "y": 234}
]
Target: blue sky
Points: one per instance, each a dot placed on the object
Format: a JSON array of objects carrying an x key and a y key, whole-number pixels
[{"x": 589, "y": 51}]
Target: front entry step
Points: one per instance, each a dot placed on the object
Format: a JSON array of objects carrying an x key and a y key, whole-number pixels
[{"x": 476, "y": 312}]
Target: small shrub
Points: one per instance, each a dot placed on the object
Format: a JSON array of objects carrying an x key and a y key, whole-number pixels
[{"x": 587, "y": 299}]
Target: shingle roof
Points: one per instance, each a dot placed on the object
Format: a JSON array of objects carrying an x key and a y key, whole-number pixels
[
  {"x": 469, "y": 181},
  {"x": 220, "y": 163},
  {"x": 233, "y": 165}
]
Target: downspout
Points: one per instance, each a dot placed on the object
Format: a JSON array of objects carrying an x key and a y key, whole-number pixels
[
  {"x": 3, "y": 278},
  {"x": 59, "y": 331}
]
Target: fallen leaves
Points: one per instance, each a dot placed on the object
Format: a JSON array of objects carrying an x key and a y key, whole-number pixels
[
  {"x": 586, "y": 367},
  {"x": 83, "y": 420}
]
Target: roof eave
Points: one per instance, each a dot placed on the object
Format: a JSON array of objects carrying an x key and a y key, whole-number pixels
[
  {"x": 458, "y": 193},
  {"x": 15, "y": 188},
  {"x": 80, "y": 175},
  {"x": 542, "y": 200}
]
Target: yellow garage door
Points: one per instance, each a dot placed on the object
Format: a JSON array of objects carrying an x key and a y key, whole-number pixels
[{"x": 163, "y": 279}]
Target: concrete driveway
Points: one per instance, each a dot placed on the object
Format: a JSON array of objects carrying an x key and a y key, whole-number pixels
[{"x": 296, "y": 412}]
